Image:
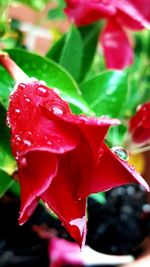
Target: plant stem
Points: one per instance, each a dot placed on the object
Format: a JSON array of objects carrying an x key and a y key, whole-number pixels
[
  {"x": 14, "y": 70},
  {"x": 141, "y": 150}
]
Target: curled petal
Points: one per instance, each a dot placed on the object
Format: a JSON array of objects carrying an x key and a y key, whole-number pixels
[
  {"x": 93, "y": 130},
  {"x": 59, "y": 197},
  {"x": 111, "y": 172},
  {"x": 36, "y": 171},
  {"x": 31, "y": 130},
  {"x": 117, "y": 50},
  {"x": 139, "y": 125},
  {"x": 85, "y": 12}
]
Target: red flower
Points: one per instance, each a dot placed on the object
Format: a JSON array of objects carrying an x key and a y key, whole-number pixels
[
  {"x": 61, "y": 156},
  {"x": 120, "y": 14},
  {"x": 139, "y": 125}
]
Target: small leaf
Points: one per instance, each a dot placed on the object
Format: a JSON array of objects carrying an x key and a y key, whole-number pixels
[
  {"x": 72, "y": 52},
  {"x": 5, "y": 182},
  {"x": 99, "y": 197},
  {"x": 106, "y": 93},
  {"x": 90, "y": 35}
]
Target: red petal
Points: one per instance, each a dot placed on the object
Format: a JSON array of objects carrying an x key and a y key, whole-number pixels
[
  {"x": 139, "y": 125},
  {"x": 59, "y": 197},
  {"x": 36, "y": 171},
  {"x": 31, "y": 129},
  {"x": 134, "y": 14},
  {"x": 85, "y": 12},
  {"x": 117, "y": 50},
  {"x": 110, "y": 172},
  {"x": 93, "y": 130}
]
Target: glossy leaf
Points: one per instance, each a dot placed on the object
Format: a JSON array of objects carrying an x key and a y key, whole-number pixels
[
  {"x": 90, "y": 35},
  {"x": 99, "y": 197},
  {"x": 55, "y": 51},
  {"x": 72, "y": 52},
  {"x": 106, "y": 93},
  {"x": 7, "y": 162},
  {"x": 5, "y": 182},
  {"x": 48, "y": 71}
]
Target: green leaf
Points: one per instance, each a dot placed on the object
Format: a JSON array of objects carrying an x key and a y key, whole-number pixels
[
  {"x": 5, "y": 182},
  {"x": 138, "y": 84},
  {"x": 99, "y": 197},
  {"x": 106, "y": 93},
  {"x": 55, "y": 51},
  {"x": 7, "y": 162},
  {"x": 89, "y": 36},
  {"x": 84, "y": 42},
  {"x": 72, "y": 52},
  {"x": 48, "y": 71}
]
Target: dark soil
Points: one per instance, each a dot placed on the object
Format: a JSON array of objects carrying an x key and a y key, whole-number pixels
[{"x": 116, "y": 227}]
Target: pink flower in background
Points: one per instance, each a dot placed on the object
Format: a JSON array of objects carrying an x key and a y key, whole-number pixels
[
  {"x": 61, "y": 156},
  {"x": 65, "y": 253},
  {"x": 120, "y": 15},
  {"x": 139, "y": 125}
]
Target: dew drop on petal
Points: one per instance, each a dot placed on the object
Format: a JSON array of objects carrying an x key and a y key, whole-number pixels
[
  {"x": 57, "y": 110},
  {"x": 27, "y": 142},
  {"x": 83, "y": 118},
  {"x": 22, "y": 86},
  {"x": 18, "y": 138},
  {"x": 120, "y": 152},
  {"x": 41, "y": 91},
  {"x": 49, "y": 143},
  {"x": 29, "y": 133},
  {"x": 8, "y": 122},
  {"x": 17, "y": 110},
  {"x": 23, "y": 162},
  {"x": 27, "y": 100}
]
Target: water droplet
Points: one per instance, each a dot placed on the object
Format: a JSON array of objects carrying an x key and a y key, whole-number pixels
[
  {"x": 83, "y": 118},
  {"x": 41, "y": 91},
  {"x": 49, "y": 143},
  {"x": 120, "y": 152},
  {"x": 8, "y": 122},
  {"x": 79, "y": 199},
  {"x": 27, "y": 100},
  {"x": 29, "y": 133},
  {"x": 23, "y": 162},
  {"x": 22, "y": 86},
  {"x": 17, "y": 110},
  {"x": 27, "y": 142},
  {"x": 57, "y": 110},
  {"x": 17, "y": 137}
]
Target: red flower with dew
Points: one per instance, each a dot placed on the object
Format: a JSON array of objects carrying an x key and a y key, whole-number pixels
[
  {"x": 139, "y": 125},
  {"x": 61, "y": 156},
  {"x": 120, "y": 15}
]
